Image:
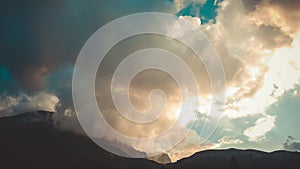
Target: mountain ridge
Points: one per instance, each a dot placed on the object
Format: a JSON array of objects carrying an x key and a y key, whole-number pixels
[{"x": 30, "y": 140}]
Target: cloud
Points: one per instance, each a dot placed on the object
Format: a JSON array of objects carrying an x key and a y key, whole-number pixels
[
  {"x": 250, "y": 51},
  {"x": 280, "y": 13},
  {"x": 7, "y": 102},
  {"x": 261, "y": 128},
  {"x": 272, "y": 37},
  {"x": 227, "y": 140},
  {"x": 256, "y": 54},
  {"x": 44, "y": 44},
  {"x": 8, "y": 84},
  {"x": 203, "y": 9},
  {"x": 296, "y": 93},
  {"x": 11, "y": 105},
  {"x": 250, "y": 6},
  {"x": 180, "y": 4},
  {"x": 36, "y": 39},
  {"x": 291, "y": 144},
  {"x": 188, "y": 147},
  {"x": 41, "y": 42}
]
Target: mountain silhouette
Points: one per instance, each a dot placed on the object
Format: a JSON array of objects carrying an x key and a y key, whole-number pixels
[{"x": 32, "y": 141}]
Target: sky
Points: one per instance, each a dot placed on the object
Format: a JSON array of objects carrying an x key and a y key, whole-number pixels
[{"x": 258, "y": 42}]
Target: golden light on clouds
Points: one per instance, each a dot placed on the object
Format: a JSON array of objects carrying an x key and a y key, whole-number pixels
[{"x": 265, "y": 48}]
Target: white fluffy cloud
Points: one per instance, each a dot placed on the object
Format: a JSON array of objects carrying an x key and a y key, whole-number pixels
[
  {"x": 260, "y": 58},
  {"x": 262, "y": 126},
  {"x": 7, "y": 102},
  {"x": 228, "y": 140},
  {"x": 260, "y": 53},
  {"x": 10, "y": 105}
]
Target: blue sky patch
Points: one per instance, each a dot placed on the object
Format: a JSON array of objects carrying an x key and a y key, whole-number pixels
[{"x": 207, "y": 12}]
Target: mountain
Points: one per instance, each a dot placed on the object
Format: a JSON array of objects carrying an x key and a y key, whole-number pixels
[
  {"x": 239, "y": 159},
  {"x": 31, "y": 140}
]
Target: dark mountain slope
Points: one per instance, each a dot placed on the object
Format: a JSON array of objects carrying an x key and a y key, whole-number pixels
[
  {"x": 239, "y": 159},
  {"x": 31, "y": 141}
]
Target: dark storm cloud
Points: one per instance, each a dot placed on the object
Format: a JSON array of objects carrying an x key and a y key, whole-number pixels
[
  {"x": 40, "y": 40},
  {"x": 37, "y": 36},
  {"x": 22, "y": 48},
  {"x": 291, "y": 144},
  {"x": 8, "y": 84}
]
